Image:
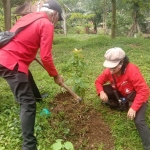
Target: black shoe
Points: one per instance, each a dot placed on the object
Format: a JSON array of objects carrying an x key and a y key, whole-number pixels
[
  {"x": 105, "y": 103},
  {"x": 114, "y": 105},
  {"x": 44, "y": 95},
  {"x": 39, "y": 99}
]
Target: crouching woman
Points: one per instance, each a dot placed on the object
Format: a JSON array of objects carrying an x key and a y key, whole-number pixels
[{"x": 126, "y": 82}]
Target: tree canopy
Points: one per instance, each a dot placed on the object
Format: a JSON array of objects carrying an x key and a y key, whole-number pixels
[{"x": 122, "y": 15}]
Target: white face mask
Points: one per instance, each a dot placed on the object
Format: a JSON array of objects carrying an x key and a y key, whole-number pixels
[{"x": 116, "y": 69}]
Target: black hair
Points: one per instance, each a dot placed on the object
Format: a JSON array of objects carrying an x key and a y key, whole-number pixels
[{"x": 125, "y": 63}]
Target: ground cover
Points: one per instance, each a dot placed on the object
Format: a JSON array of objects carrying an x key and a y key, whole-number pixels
[
  {"x": 86, "y": 128},
  {"x": 61, "y": 124}
]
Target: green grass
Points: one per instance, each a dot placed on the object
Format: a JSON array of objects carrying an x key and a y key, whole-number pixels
[{"x": 94, "y": 47}]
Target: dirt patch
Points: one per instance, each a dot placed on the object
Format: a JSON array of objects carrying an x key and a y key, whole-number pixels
[
  {"x": 134, "y": 46},
  {"x": 87, "y": 131},
  {"x": 146, "y": 35}
]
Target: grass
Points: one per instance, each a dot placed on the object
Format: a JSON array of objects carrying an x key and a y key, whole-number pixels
[{"x": 94, "y": 47}]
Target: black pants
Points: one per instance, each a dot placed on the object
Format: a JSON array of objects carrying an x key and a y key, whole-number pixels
[
  {"x": 23, "y": 93},
  {"x": 142, "y": 127},
  {"x": 33, "y": 86},
  {"x": 112, "y": 99}
]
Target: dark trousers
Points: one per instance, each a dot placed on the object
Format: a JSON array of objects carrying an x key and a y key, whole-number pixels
[
  {"x": 111, "y": 95},
  {"x": 33, "y": 86},
  {"x": 23, "y": 93},
  {"x": 139, "y": 120},
  {"x": 142, "y": 127}
]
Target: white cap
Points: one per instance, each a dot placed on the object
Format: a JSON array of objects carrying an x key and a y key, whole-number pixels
[{"x": 113, "y": 56}]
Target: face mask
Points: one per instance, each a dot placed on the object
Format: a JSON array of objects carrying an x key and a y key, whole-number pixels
[
  {"x": 116, "y": 69},
  {"x": 119, "y": 67}
]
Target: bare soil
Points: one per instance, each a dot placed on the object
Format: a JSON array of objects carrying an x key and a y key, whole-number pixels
[{"x": 88, "y": 131}]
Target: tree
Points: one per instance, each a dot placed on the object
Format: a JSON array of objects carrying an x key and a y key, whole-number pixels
[
  {"x": 7, "y": 4},
  {"x": 68, "y": 7},
  {"x": 135, "y": 15},
  {"x": 94, "y": 7},
  {"x": 105, "y": 16},
  {"x": 113, "y": 26},
  {"x": 18, "y": 2},
  {"x": 137, "y": 8},
  {"x": 7, "y": 13}
]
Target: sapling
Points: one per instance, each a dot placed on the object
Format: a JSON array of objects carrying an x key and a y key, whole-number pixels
[{"x": 76, "y": 66}]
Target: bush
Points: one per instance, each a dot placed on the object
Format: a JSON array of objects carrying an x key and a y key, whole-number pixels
[
  {"x": 76, "y": 30},
  {"x": 124, "y": 22}
]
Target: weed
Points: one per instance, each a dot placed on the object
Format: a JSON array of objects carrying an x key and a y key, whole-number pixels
[{"x": 58, "y": 145}]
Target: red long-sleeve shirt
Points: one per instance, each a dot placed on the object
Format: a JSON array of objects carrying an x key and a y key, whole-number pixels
[
  {"x": 131, "y": 80},
  {"x": 23, "y": 48}
]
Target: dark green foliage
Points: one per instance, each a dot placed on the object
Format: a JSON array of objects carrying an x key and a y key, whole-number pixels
[{"x": 17, "y": 2}]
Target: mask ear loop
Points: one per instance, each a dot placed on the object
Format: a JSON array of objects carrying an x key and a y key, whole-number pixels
[
  {"x": 54, "y": 17},
  {"x": 121, "y": 63}
]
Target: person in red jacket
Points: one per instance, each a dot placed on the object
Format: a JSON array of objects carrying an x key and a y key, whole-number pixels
[
  {"x": 17, "y": 55},
  {"x": 122, "y": 83}
]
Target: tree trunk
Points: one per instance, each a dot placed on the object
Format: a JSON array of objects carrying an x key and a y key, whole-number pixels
[
  {"x": 135, "y": 26},
  {"x": 104, "y": 17},
  {"x": 64, "y": 22},
  {"x": 7, "y": 14},
  {"x": 113, "y": 26},
  {"x": 95, "y": 26},
  {"x": 134, "y": 29}
]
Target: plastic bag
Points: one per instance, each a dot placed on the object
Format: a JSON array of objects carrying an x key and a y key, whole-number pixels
[{"x": 6, "y": 37}]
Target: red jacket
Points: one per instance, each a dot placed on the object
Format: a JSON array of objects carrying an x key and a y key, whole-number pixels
[
  {"x": 131, "y": 80},
  {"x": 23, "y": 48}
]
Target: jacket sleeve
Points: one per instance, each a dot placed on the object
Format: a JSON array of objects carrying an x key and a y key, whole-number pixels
[
  {"x": 101, "y": 80},
  {"x": 46, "y": 39},
  {"x": 141, "y": 88}
]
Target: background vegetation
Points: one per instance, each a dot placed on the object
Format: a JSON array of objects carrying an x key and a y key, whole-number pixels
[
  {"x": 89, "y": 24},
  {"x": 115, "y": 17},
  {"x": 93, "y": 48}
]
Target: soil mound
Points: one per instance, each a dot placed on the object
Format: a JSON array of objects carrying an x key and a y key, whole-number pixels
[{"x": 87, "y": 129}]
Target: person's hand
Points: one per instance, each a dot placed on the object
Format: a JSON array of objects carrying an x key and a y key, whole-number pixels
[
  {"x": 131, "y": 114},
  {"x": 103, "y": 96},
  {"x": 59, "y": 80}
]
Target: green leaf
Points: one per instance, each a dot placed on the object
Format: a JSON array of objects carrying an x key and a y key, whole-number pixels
[
  {"x": 56, "y": 146},
  {"x": 68, "y": 145}
]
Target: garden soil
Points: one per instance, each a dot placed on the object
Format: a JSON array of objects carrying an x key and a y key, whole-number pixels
[{"x": 87, "y": 129}]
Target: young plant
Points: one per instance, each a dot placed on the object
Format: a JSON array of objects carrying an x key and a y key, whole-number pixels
[
  {"x": 58, "y": 145},
  {"x": 77, "y": 67}
]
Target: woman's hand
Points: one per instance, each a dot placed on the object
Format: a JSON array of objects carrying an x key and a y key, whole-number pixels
[
  {"x": 103, "y": 96},
  {"x": 131, "y": 114}
]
